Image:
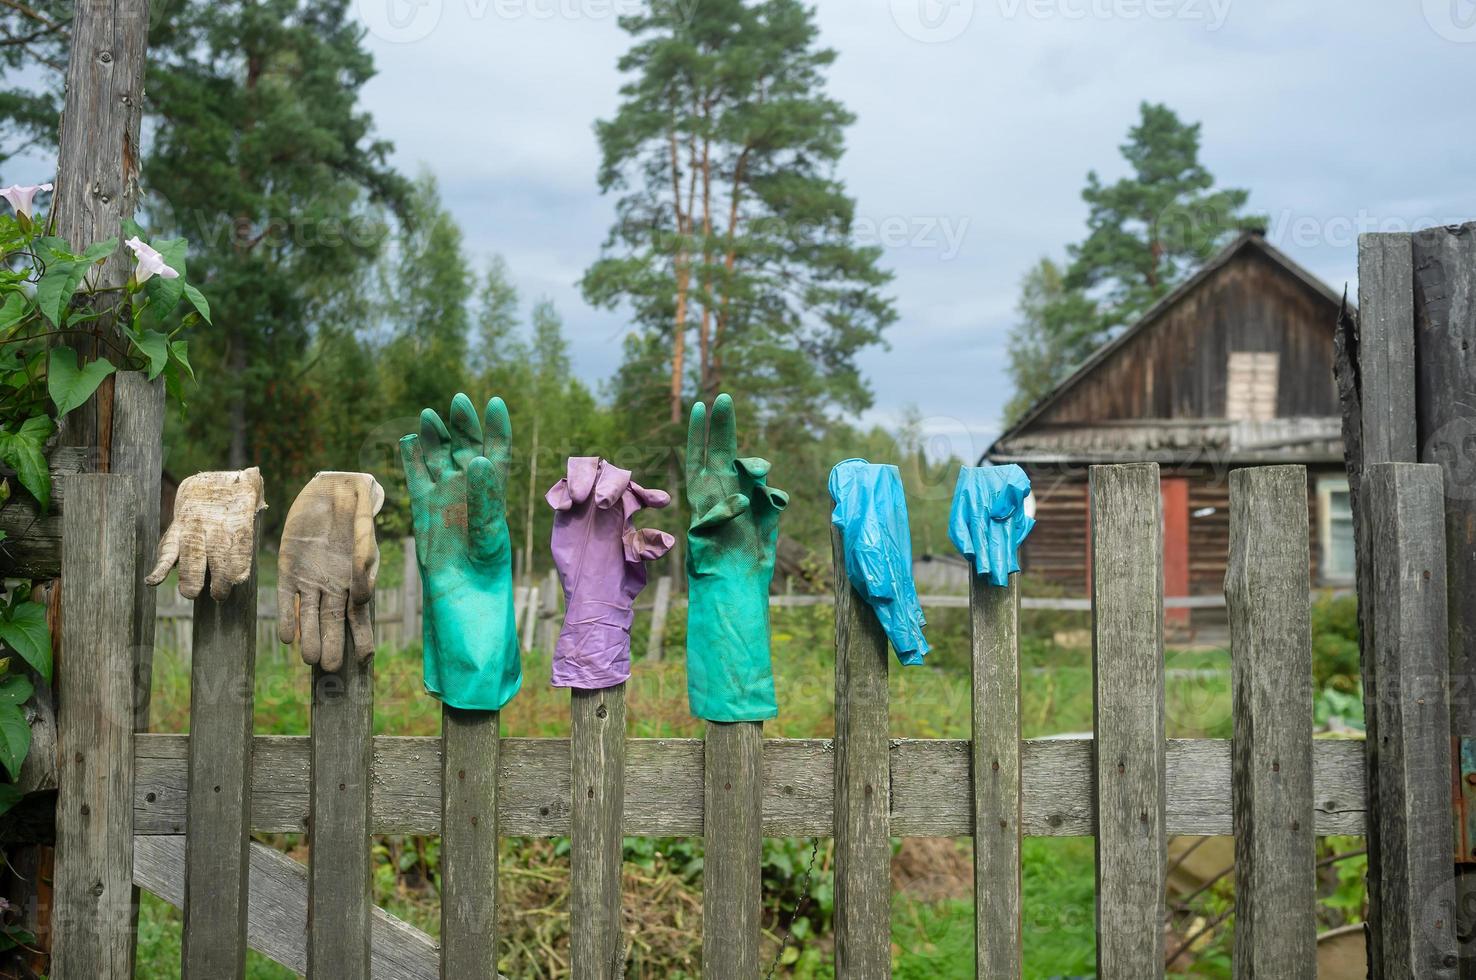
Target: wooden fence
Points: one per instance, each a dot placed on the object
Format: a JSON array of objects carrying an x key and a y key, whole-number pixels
[{"x": 173, "y": 813}]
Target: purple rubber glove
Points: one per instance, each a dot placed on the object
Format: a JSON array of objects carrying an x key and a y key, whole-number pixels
[{"x": 601, "y": 561}]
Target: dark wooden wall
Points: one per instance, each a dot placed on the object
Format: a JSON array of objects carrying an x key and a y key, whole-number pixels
[
  {"x": 1058, "y": 549},
  {"x": 1176, "y": 367}
]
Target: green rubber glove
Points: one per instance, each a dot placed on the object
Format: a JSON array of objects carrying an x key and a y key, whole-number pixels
[
  {"x": 458, "y": 488},
  {"x": 730, "y": 562}
]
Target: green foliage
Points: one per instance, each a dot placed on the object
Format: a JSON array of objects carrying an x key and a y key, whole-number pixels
[
  {"x": 47, "y": 293},
  {"x": 733, "y": 246},
  {"x": 1146, "y": 233}
]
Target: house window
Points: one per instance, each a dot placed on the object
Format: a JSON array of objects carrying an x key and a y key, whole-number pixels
[
  {"x": 1250, "y": 389},
  {"x": 1335, "y": 516}
]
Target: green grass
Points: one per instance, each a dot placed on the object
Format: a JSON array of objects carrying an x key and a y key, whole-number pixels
[{"x": 932, "y": 936}]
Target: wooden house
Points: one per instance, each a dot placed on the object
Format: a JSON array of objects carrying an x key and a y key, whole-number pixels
[{"x": 1233, "y": 368}]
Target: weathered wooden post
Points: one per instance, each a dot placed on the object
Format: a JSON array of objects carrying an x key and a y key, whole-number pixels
[
  {"x": 1128, "y": 719},
  {"x": 1267, "y": 594},
  {"x": 1406, "y": 371},
  {"x": 222, "y": 675},
  {"x": 92, "y": 925},
  {"x": 597, "y": 747},
  {"x": 863, "y": 848},
  {"x": 342, "y": 773},
  {"x": 470, "y": 767}
]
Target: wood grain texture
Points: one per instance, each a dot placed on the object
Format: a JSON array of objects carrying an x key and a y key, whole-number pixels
[
  {"x": 1445, "y": 402},
  {"x": 92, "y": 936},
  {"x": 995, "y": 749},
  {"x": 222, "y": 681},
  {"x": 1417, "y": 933},
  {"x": 469, "y": 767},
  {"x": 863, "y": 851},
  {"x": 32, "y": 543},
  {"x": 138, "y": 450},
  {"x": 1130, "y": 764},
  {"x": 277, "y": 925},
  {"x": 663, "y": 787},
  {"x": 733, "y": 846},
  {"x": 1386, "y": 358},
  {"x": 597, "y": 773},
  {"x": 339, "y": 791},
  {"x": 1267, "y": 594},
  {"x": 98, "y": 165}
]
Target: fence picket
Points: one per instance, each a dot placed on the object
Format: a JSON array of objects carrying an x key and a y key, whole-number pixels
[
  {"x": 1406, "y": 510},
  {"x": 222, "y": 676},
  {"x": 1127, "y": 667},
  {"x": 597, "y": 815},
  {"x": 732, "y": 827},
  {"x": 995, "y": 749},
  {"x": 1267, "y": 594},
  {"x": 470, "y": 766},
  {"x": 863, "y": 851},
  {"x": 339, "y": 806},
  {"x": 92, "y": 935}
]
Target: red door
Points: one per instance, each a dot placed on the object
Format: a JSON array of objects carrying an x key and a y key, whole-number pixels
[{"x": 1175, "y": 493}]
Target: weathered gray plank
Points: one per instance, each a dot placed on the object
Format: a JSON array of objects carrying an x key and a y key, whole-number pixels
[
  {"x": 98, "y": 163},
  {"x": 663, "y": 787},
  {"x": 1130, "y": 764},
  {"x": 597, "y": 774},
  {"x": 32, "y": 543},
  {"x": 222, "y": 681},
  {"x": 277, "y": 925},
  {"x": 91, "y": 928},
  {"x": 1266, "y": 591},
  {"x": 1445, "y": 393},
  {"x": 995, "y": 620},
  {"x": 733, "y": 849},
  {"x": 1417, "y": 931},
  {"x": 469, "y": 770},
  {"x": 338, "y": 866},
  {"x": 138, "y": 450},
  {"x": 863, "y": 852},
  {"x": 1386, "y": 359}
]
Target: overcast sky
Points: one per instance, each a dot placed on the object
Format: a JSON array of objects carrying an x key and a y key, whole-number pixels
[{"x": 977, "y": 122}]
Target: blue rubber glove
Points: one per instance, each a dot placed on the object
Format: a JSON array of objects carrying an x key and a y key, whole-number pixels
[
  {"x": 988, "y": 521},
  {"x": 458, "y": 487},
  {"x": 871, "y": 512}
]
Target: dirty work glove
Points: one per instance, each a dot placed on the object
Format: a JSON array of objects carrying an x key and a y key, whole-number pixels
[
  {"x": 988, "y": 519},
  {"x": 730, "y": 562},
  {"x": 327, "y": 565},
  {"x": 458, "y": 505},
  {"x": 871, "y": 512},
  {"x": 601, "y": 561},
  {"x": 214, "y": 529}
]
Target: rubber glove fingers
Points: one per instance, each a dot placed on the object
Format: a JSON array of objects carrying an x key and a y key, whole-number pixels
[
  {"x": 988, "y": 519},
  {"x": 213, "y": 533}
]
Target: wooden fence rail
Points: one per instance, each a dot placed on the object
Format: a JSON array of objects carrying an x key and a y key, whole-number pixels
[{"x": 194, "y": 798}]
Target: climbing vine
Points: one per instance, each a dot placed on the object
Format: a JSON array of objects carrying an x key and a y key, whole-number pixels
[{"x": 49, "y": 292}]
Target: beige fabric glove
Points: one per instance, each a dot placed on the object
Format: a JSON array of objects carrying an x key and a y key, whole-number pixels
[
  {"x": 213, "y": 529},
  {"x": 327, "y": 565}
]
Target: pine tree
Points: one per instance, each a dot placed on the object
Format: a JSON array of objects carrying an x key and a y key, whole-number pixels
[{"x": 1149, "y": 231}]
